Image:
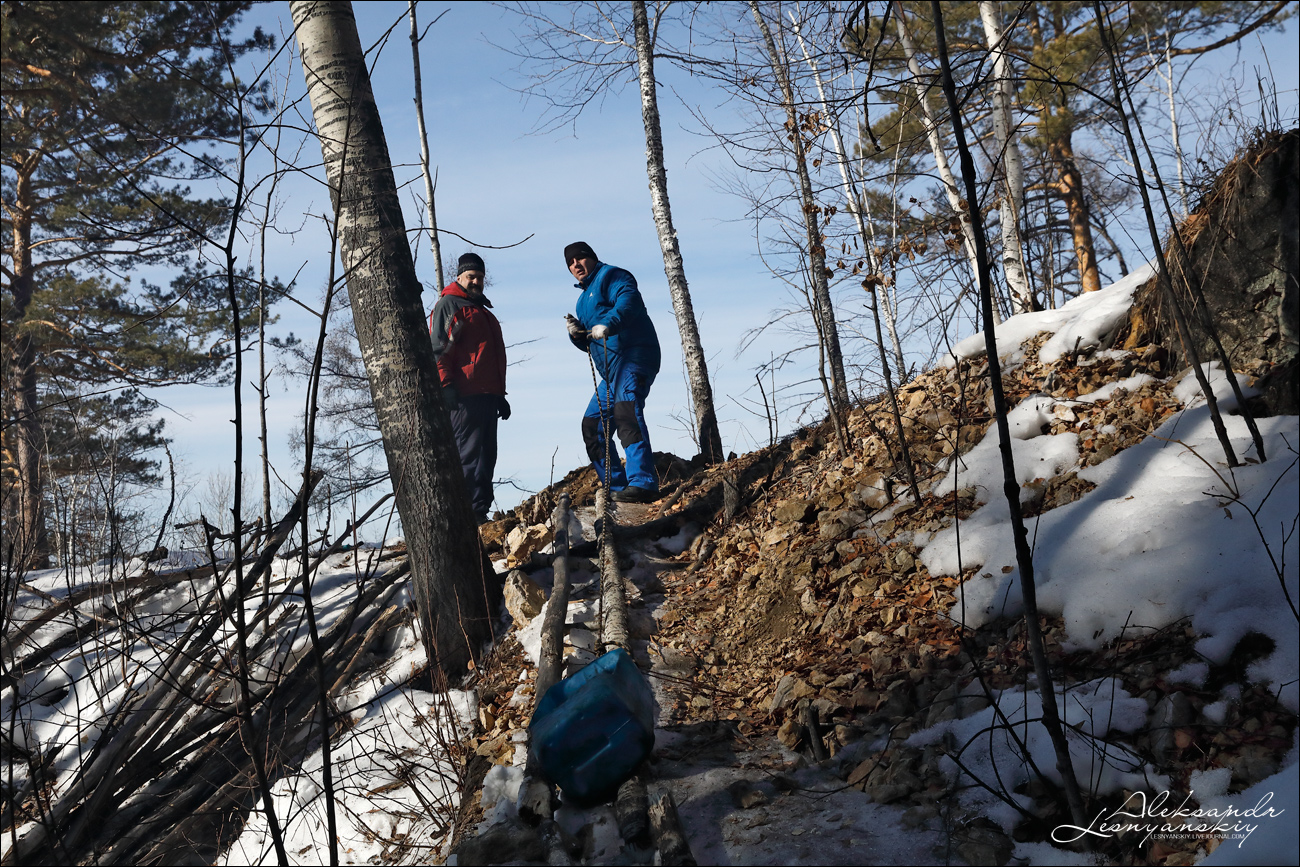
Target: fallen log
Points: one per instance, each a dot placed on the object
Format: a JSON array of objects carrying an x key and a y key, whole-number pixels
[
  {"x": 666, "y": 831},
  {"x": 536, "y": 795}
]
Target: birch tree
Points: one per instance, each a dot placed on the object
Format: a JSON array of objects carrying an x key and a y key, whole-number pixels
[
  {"x": 818, "y": 273},
  {"x": 434, "y": 244},
  {"x": 588, "y": 57},
  {"x": 1013, "y": 171},
  {"x": 423, "y": 464},
  {"x": 873, "y": 284},
  {"x": 959, "y": 206},
  {"x": 697, "y": 372}
]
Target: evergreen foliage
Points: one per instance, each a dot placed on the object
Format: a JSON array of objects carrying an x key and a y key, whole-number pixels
[{"x": 111, "y": 112}]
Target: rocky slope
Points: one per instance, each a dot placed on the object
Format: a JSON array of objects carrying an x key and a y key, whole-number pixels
[
  {"x": 803, "y": 613},
  {"x": 823, "y": 646}
]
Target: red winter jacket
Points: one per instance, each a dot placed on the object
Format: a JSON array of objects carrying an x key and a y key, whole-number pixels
[{"x": 467, "y": 342}]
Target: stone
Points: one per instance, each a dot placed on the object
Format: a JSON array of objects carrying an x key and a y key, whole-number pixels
[
  {"x": 498, "y": 750},
  {"x": 523, "y": 598},
  {"x": 674, "y": 659},
  {"x": 788, "y": 734},
  {"x": 873, "y": 492},
  {"x": 745, "y": 795},
  {"x": 581, "y": 638},
  {"x": 523, "y": 542},
  {"x": 789, "y": 689},
  {"x": 865, "y": 698},
  {"x": 779, "y": 533},
  {"x": 1250, "y": 764},
  {"x": 839, "y": 522},
  {"x": 887, "y": 793},
  {"x": 828, "y": 706},
  {"x": 982, "y": 843}
]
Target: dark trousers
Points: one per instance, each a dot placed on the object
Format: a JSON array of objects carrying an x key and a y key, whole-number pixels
[{"x": 474, "y": 421}]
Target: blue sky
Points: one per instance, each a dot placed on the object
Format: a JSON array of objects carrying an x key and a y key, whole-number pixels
[{"x": 499, "y": 182}]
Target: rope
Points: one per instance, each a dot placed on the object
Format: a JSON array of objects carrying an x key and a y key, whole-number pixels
[{"x": 607, "y": 426}]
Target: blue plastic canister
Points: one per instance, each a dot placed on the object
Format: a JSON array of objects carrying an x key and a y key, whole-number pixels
[{"x": 592, "y": 729}]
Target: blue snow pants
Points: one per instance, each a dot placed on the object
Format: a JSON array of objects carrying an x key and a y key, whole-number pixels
[{"x": 627, "y": 394}]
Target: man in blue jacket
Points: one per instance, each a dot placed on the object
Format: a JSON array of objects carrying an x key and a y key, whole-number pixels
[{"x": 612, "y": 325}]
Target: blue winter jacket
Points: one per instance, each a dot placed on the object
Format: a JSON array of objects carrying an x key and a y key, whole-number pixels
[{"x": 610, "y": 298}]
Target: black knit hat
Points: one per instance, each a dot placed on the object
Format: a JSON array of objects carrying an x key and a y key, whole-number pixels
[
  {"x": 470, "y": 262},
  {"x": 579, "y": 250}
]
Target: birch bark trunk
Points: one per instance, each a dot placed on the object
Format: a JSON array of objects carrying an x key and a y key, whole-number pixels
[
  {"x": 423, "y": 464},
  {"x": 828, "y": 331},
  {"x": 697, "y": 372},
  {"x": 965, "y": 211},
  {"x": 876, "y": 296},
  {"x": 854, "y": 203},
  {"x": 434, "y": 244},
  {"x": 1013, "y": 198}
]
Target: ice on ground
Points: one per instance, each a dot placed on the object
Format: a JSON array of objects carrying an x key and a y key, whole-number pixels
[
  {"x": 1107, "y": 391},
  {"x": 989, "y": 751},
  {"x": 1086, "y": 322},
  {"x": 1188, "y": 390},
  {"x": 501, "y": 793},
  {"x": 1038, "y": 455},
  {"x": 1165, "y": 535},
  {"x": 1274, "y": 804},
  {"x": 674, "y": 545},
  {"x": 394, "y": 759}
]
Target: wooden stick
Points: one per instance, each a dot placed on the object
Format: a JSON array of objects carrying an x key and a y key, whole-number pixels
[
  {"x": 536, "y": 795},
  {"x": 666, "y": 831}
]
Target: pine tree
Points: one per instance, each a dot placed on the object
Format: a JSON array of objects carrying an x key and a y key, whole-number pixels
[
  {"x": 102, "y": 457},
  {"x": 110, "y": 111}
]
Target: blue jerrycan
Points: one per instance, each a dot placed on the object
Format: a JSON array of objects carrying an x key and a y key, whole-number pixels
[{"x": 592, "y": 729}]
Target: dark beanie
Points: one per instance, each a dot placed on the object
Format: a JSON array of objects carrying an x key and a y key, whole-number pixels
[
  {"x": 470, "y": 262},
  {"x": 579, "y": 250}
]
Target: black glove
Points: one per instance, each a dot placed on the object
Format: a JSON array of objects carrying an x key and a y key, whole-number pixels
[
  {"x": 503, "y": 408},
  {"x": 450, "y": 398}
]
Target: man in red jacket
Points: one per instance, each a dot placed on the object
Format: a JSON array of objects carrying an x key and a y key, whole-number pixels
[{"x": 472, "y": 366}]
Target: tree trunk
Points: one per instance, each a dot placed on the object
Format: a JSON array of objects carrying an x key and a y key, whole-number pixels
[
  {"x": 965, "y": 211},
  {"x": 434, "y": 244},
  {"x": 697, "y": 371},
  {"x": 1010, "y": 487},
  {"x": 1070, "y": 188},
  {"x": 1013, "y": 196},
  {"x": 24, "y": 503},
  {"x": 423, "y": 463},
  {"x": 828, "y": 330},
  {"x": 855, "y": 202},
  {"x": 875, "y": 290}
]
